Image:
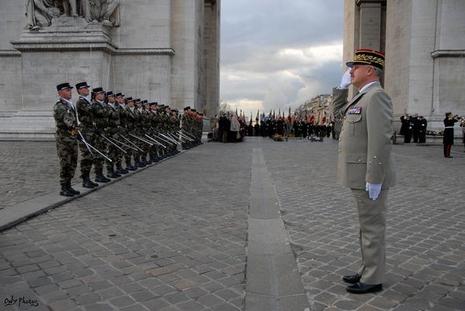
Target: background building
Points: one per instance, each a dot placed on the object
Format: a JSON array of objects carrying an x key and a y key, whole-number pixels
[
  {"x": 319, "y": 109},
  {"x": 424, "y": 42},
  {"x": 162, "y": 50}
]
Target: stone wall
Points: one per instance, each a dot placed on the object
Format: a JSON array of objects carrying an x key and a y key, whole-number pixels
[
  {"x": 425, "y": 49},
  {"x": 161, "y": 51}
]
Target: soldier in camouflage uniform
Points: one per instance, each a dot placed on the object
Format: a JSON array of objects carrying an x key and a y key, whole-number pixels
[
  {"x": 129, "y": 127},
  {"x": 139, "y": 132},
  {"x": 111, "y": 132},
  {"x": 120, "y": 108},
  {"x": 66, "y": 121},
  {"x": 146, "y": 125},
  {"x": 84, "y": 110},
  {"x": 155, "y": 149},
  {"x": 100, "y": 114}
]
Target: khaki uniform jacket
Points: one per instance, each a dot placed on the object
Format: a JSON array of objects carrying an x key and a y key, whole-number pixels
[{"x": 364, "y": 152}]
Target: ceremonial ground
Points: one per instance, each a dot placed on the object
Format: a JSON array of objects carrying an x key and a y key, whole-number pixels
[{"x": 259, "y": 225}]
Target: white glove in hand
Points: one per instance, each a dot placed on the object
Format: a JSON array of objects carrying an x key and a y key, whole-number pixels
[
  {"x": 373, "y": 190},
  {"x": 346, "y": 80}
]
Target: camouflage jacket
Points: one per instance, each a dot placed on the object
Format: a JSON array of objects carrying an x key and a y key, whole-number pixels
[
  {"x": 84, "y": 110},
  {"x": 65, "y": 119}
]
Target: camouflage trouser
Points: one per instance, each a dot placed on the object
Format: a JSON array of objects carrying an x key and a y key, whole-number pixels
[
  {"x": 67, "y": 149},
  {"x": 114, "y": 154},
  {"x": 100, "y": 144},
  {"x": 86, "y": 157}
]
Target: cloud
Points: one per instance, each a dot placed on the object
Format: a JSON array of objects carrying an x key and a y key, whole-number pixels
[{"x": 277, "y": 54}]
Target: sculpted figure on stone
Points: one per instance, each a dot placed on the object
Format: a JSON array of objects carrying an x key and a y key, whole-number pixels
[
  {"x": 39, "y": 13},
  {"x": 104, "y": 11}
]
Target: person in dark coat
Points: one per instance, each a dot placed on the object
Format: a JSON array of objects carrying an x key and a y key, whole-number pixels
[
  {"x": 422, "y": 125},
  {"x": 406, "y": 128},
  {"x": 415, "y": 127},
  {"x": 448, "y": 138}
]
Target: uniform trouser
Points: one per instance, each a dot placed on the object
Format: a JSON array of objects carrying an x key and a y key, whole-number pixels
[
  {"x": 371, "y": 215},
  {"x": 67, "y": 150},
  {"x": 114, "y": 155},
  {"x": 98, "y": 160},
  {"x": 86, "y": 157}
]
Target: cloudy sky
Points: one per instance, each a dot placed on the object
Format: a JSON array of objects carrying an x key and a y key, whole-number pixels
[{"x": 276, "y": 53}]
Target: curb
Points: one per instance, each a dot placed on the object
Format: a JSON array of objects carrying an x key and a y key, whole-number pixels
[{"x": 14, "y": 215}]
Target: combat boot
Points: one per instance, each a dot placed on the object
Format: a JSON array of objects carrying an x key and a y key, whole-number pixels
[
  {"x": 99, "y": 177},
  {"x": 70, "y": 189},
  {"x": 120, "y": 170},
  {"x": 87, "y": 183},
  {"x": 74, "y": 191},
  {"x": 65, "y": 191},
  {"x": 114, "y": 175}
]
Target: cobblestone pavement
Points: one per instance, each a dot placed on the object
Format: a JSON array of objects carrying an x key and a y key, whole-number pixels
[
  {"x": 173, "y": 237},
  {"x": 425, "y": 227},
  {"x": 27, "y": 170},
  {"x": 169, "y": 238}
]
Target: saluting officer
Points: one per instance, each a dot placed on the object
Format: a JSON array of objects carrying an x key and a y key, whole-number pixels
[
  {"x": 66, "y": 121},
  {"x": 364, "y": 165}
]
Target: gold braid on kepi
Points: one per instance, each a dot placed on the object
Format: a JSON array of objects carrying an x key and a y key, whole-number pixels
[{"x": 368, "y": 57}]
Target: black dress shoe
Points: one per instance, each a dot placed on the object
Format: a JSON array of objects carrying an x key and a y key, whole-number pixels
[
  {"x": 352, "y": 279},
  {"x": 362, "y": 288}
]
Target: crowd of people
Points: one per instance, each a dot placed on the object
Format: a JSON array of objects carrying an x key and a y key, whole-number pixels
[
  {"x": 413, "y": 127},
  {"x": 230, "y": 128},
  {"x": 280, "y": 128},
  {"x": 116, "y": 131}
]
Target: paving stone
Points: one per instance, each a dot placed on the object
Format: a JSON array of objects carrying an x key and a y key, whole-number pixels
[
  {"x": 136, "y": 307},
  {"x": 176, "y": 298},
  {"x": 190, "y": 306},
  {"x": 63, "y": 305},
  {"x": 210, "y": 300},
  {"x": 155, "y": 304},
  {"x": 172, "y": 235},
  {"x": 98, "y": 307}
]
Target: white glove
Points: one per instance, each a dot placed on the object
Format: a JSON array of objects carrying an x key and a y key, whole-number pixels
[
  {"x": 373, "y": 190},
  {"x": 346, "y": 80}
]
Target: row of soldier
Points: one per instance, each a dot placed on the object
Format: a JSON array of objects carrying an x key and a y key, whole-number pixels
[{"x": 116, "y": 132}]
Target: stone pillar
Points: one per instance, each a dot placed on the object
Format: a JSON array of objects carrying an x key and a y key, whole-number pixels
[
  {"x": 211, "y": 53},
  {"x": 184, "y": 41},
  {"x": 370, "y": 21}
]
